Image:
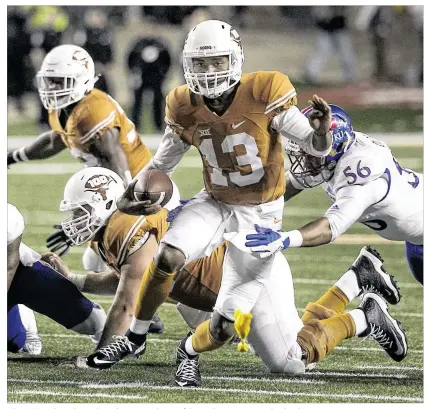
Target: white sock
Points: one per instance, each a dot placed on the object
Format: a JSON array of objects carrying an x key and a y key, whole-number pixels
[
  {"x": 359, "y": 319},
  {"x": 28, "y": 319},
  {"x": 189, "y": 346},
  {"x": 139, "y": 327},
  {"x": 348, "y": 285}
]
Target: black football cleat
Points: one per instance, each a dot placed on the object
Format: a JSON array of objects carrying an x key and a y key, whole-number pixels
[
  {"x": 187, "y": 373},
  {"x": 383, "y": 328},
  {"x": 156, "y": 325},
  {"x": 109, "y": 355},
  {"x": 372, "y": 277}
]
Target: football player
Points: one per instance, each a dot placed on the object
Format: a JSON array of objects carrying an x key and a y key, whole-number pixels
[
  {"x": 284, "y": 342},
  {"x": 236, "y": 121},
  {"x": 366, "y": 184},
  {"x": 126, "y": 243},
  {"x": 90, "y": 124},
  {"x": 84, "y": 120},
  {"x": 38, "y": 286}
]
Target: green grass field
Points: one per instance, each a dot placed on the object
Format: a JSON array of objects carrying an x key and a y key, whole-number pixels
[{"x": 357, "y": 371}]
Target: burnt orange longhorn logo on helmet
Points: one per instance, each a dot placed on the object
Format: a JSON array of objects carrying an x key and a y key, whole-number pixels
[
  {"x": 81, "y": 58},
  {"x": 98, "y": 184}
]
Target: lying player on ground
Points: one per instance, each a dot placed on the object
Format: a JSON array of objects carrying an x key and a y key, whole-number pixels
[
  {"x": 91, "y": 125},
  {"x": 127, "y": 242},
  {"x": 36, "y": 285},
  {"x": 366, "y": 184},
  {"x": 236, "y": 121}
]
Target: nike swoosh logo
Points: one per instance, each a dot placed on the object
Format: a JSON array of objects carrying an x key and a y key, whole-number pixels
[
  {"x": 181, "y": 383},
  {"x": 234, "y": 126},
  {"x": 140, "y": 349},
  {"x": 100, "y": 361},
  {"x": 399, "y": 349}
]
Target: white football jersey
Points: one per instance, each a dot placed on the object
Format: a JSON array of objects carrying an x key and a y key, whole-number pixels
[
  {"x": 15, "y": 223},
  {"x": 399, "y": 214},
  {"x": 15, "y": 228}
]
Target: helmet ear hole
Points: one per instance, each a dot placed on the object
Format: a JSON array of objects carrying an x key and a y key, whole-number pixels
[{"x": 109, "y": 204}]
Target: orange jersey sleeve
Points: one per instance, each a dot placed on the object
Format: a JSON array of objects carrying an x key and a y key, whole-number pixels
[
  {"x": 276, "y": 90},
  {"x": 92, "y": 116},
  {"x": 125, "y": 234}
]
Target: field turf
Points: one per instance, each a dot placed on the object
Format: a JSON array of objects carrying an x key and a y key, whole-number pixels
[{"x": 356, "y": 371}]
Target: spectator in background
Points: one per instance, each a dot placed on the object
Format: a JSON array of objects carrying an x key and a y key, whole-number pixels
[
  {"x": 95, "y": 36},
  {"x": 47, "y": 25},
  {"x": 332, "y": 36},
  {"x": 148, "y": 62},
  {"x": 377, "y": 21},
  {"x": 168, "y": 14},
  {"x": 238, "y": 16},
  {"x": 19, "y": 70}
]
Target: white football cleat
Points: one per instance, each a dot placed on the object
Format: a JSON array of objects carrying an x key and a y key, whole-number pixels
[{"x": 33, "y": 344}]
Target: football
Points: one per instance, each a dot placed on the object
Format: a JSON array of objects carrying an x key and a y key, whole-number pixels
[{"x": 153, "y": 185}]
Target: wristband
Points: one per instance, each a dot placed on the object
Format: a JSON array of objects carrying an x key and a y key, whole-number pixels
[
  {"x": 295, "y": 238},
  {"x": 78, "y": 280},
  {"x": 19, "y": 155}
]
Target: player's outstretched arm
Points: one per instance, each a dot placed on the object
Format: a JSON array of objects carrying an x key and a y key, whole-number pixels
[
  {"x": 46, "y": 145},
  {"x": 95, "y": 283},
  {"x": 111, "y": 155},
  {"x": 351, "y": 202}
]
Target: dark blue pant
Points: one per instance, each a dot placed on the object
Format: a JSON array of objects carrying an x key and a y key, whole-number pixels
[
  {"x": 415, "y": 257},
  {"x": 16, "y": 333},
  {"x": 44, "y": 290}
]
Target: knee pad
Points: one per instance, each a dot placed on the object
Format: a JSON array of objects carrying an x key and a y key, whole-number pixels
[
  {"x": 221, "y": 328},
  {"x": 94, "y": 324},
  {"x": 169, "y": 259},
  {"x": 289, "y": 363},
  {"x": 93, "y": 262},
  {"x": 315, "y": 311},
  {"x": 313, "y": 338}
]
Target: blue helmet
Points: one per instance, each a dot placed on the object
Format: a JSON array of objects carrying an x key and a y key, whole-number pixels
[{"x": 311, "y": 171}]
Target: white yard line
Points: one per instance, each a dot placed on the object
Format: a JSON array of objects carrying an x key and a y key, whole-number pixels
[
  {"x": 392, "y": 368},
  {"x": 168, "y": 340},
  {"x": 78, "y": 395},
  {"x": 148, "y": 386},
  {"x": 37, "y": 168},
  {"x": 152, "y": 141},
  {"x": 270, "y": 380}
]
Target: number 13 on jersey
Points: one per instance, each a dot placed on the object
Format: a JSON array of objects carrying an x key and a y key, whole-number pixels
[{"x": 250, "y": 158}]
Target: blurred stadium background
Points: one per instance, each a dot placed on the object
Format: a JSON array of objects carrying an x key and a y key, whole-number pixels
[
  {"x": 385, "y": 53},
  {"x": 383, "y": 93}
]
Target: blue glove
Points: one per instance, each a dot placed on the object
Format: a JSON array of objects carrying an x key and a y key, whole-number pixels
[
  {"x": 174, "y": 212},
  {"x": 267, "y": 241}
]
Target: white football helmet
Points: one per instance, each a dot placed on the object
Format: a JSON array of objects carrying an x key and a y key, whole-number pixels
[
  {"x": 90, "y": 195},
  {"x": 67, "y": 74},
  {"x": 213, "y": 38}
]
